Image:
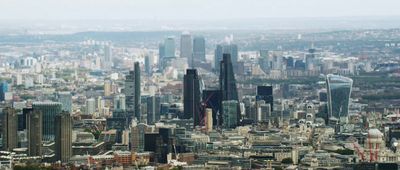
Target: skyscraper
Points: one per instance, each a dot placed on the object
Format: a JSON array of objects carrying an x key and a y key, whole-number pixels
[
  {"x": 34, "y": 123},
  {"x": 153, "y": 109},
  {"x": 10, "y": 127},
  {"x": 147, "y": 65},
  {"x": 107, "y": 61},
  {"x": 191, "y": 96},
  {"x": 90, "y": 106},
  {"x": 132, "y": 92},
  {"x": 119, "y": 102},
  {"x": 63, "y": 137},
  {"x": 339, "y": 91},
  {"x": 3, "y": 90},
  {"x": 65, "y": 98},
  {"x": 137, "y": 91},
  {"x": 265, "y": 93},
  {"x": 49, "y": 111},
  {"x": 161, "y": 51},
  {"x": 199, "y": 49},
  {"x": 231, "y": 49},
  {"x": 230, "y": 116},
  {"x": 186, "y": 46},
  {"x": 227, "y": 81},
  {"x": 310, "y": 59},
  {"x": 169, "y": 47},
  {"x": 107, "y": 87},
  {"x": 264, "y": 60},
  {"x": 129, "y": 92}
]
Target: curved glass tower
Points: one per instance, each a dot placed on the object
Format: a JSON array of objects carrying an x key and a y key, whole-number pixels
[{"x": 339, "y": 90}]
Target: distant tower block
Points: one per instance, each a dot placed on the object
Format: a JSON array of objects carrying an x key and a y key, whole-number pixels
[{"x": 209, "y": 118}]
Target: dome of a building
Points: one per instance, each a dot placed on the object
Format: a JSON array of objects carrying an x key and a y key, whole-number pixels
[{"x": 375, "y": 133}]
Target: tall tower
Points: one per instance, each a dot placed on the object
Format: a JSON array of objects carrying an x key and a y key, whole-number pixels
[
  {"x": 199, "y": 49},
  {"x": 107, "y": 61},
  {"x": 34, "y": 128},
  {"x": 186, "y": 46},
  {"x": 49, "y": 111},
  {"x": 3, "y": 90},
  {"x": 169, "y": 47},
  {"x": 339, "y": 91},
  {"x": 153, "y": 109},
  {"x": 265, "y": 93},
  {"x": 63, "y": 137},
  {"x": 129, "y": 92},
  {"x": 191, "y": 96},
  {"x": 231, "y": 49},
  {"x": 10, "y": 126},
  {"x": 227, "y": 82},
  {"x": 137, "y": 91}
]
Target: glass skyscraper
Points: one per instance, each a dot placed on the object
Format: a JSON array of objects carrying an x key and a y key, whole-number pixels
[
  {"x": 49, "y": 110},
  {"x": 339, "y": 91}
]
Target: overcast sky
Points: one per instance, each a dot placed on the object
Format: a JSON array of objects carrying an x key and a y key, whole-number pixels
[{"x": 192, "y": 9}]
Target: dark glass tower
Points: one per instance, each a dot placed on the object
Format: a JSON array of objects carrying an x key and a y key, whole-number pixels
[
  {"x": 137, "y": 91},
  {"x": 49, "y": 111},
  {"x": 227, "y": 82},
  {"x": 265, "y": 93},
  {"x": 153, "y": 109},
  {"x": 10, "y": 126},
  {"x": 191, "y": 96},
  {"x": 132, "y": 92},
  {"x": 63, "y": 139}
]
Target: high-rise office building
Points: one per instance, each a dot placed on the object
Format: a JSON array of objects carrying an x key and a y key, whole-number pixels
[
  {"x": 161, "y": 51},
  {"x": 63, "y": 137},
  {"x": 191, "y": 96},
  {"x": 119, "y": 102},
  {"x": 264, "y": 60},
  {"x": 209, "y": 119},
  {"x": 265, "y": 93},
  {"x": 231, "y": 49},
  {"x": 10, "y": 127},
  {"x": 310, "y": 60},
  {"x": 49, "y": 111},
  {"x": 227, "y": 81},
  {"x": 65, "y": 98},
  {"x": 3, "y": 90},
  {"x": 230, "y": 114},
  {"x": 213, "y": 99},
  {"x": 34, "y": 126},
  {"x": 186, "y": 46},
  {"x": 132, "y": 92},
  {"x": 169, "y": 47},
  {"x": 107, "y": 60},
  {"x": 339, "y": 91},
  {"x": 263, "y": 111},
  {"x": 199, "y": 49},
  {"x": 137, "y": 91},
  {"x": 107, "y": 87},
  {"x": 153, "y": 109},
  {"x": 90, "y": 106},
  {"x": 147, "y": 65},
  {"x": 129, "y": 92}
]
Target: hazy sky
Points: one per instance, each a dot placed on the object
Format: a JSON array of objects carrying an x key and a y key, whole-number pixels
[{"x": 192, "y": 9}]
